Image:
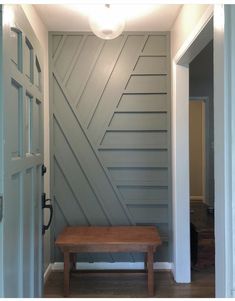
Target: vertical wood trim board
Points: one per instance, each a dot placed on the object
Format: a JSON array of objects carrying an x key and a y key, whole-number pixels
[{"x": 111, "y": 134}]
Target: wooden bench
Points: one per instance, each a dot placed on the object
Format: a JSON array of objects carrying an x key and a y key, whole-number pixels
[{"x": 108, "y": 239}]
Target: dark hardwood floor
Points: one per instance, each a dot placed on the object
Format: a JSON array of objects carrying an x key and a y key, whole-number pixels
[
  {"x": 131, "y": 285},
  {"x": 202, "y": 235}
]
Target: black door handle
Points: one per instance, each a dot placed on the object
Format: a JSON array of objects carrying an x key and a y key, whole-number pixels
[
  {"x": 46, "y": 206},
  {"x": 44, "y": 169}
]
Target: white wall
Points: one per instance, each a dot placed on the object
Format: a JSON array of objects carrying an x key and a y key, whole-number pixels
[
  {"x": 42, "y": 35},
  {"x": 185, "y": 24},
  {"x": 186, "y": 28}
]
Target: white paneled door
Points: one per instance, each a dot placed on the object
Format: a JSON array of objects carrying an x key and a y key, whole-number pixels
[{"x": 22, "y": 159}]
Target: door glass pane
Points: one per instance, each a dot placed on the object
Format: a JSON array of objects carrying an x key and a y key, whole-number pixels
[
  {"x": 28, "y": 60},
  {"x": 28, "y": 123},
  {"x": 15, "y": 101},
  {"x": 37, "y": 124},
  {"x": 16, "y": 47},
  {"x": 38, "y": 74}
]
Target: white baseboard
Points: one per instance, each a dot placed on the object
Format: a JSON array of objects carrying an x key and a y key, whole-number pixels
[
  {"x": 48, "y": 271},
  {"x": 114, "y": 266}
]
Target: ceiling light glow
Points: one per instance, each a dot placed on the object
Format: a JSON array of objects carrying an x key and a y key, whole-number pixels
[{"x": 106, "y": 22}]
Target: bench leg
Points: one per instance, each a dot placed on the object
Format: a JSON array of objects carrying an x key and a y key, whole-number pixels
[
  {"x": 73, "y": 261},
  {"x": 150, "y": 272},
  {"x": 145, "y": 262},
  {"x": 66, "y": 273}
]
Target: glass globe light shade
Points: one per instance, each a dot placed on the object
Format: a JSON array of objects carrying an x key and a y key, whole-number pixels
[{"x": 106, "y": 23}]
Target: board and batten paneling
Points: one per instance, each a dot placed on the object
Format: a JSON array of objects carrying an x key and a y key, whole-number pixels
[{"x": 111, "y": 134}]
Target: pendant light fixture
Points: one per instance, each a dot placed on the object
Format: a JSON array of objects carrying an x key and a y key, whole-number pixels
[{"x": 106, "y": 23}]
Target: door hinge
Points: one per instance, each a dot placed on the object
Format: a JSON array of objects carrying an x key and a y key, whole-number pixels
[{"x": 1, "y": 208}]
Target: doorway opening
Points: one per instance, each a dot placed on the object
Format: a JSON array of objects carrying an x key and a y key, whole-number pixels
[{"x": 201, "y": 158}]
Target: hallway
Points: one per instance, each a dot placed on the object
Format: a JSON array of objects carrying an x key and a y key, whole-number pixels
[{"x": 94, "y": 131}]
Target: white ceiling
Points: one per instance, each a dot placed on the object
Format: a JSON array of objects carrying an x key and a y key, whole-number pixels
[{"x": 139, "y": 17}]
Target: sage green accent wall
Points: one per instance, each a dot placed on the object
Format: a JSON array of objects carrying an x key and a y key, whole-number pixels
[{"x": 111, "y": 134}]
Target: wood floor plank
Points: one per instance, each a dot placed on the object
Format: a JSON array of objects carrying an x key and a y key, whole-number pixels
[{"x": 130, "y": 285}]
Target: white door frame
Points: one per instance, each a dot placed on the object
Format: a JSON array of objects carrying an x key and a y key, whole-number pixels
[
  {"x": 224, "y": 134},
  {"x": 224, "y": 148},
  {"x": 200, "y": 37}
]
